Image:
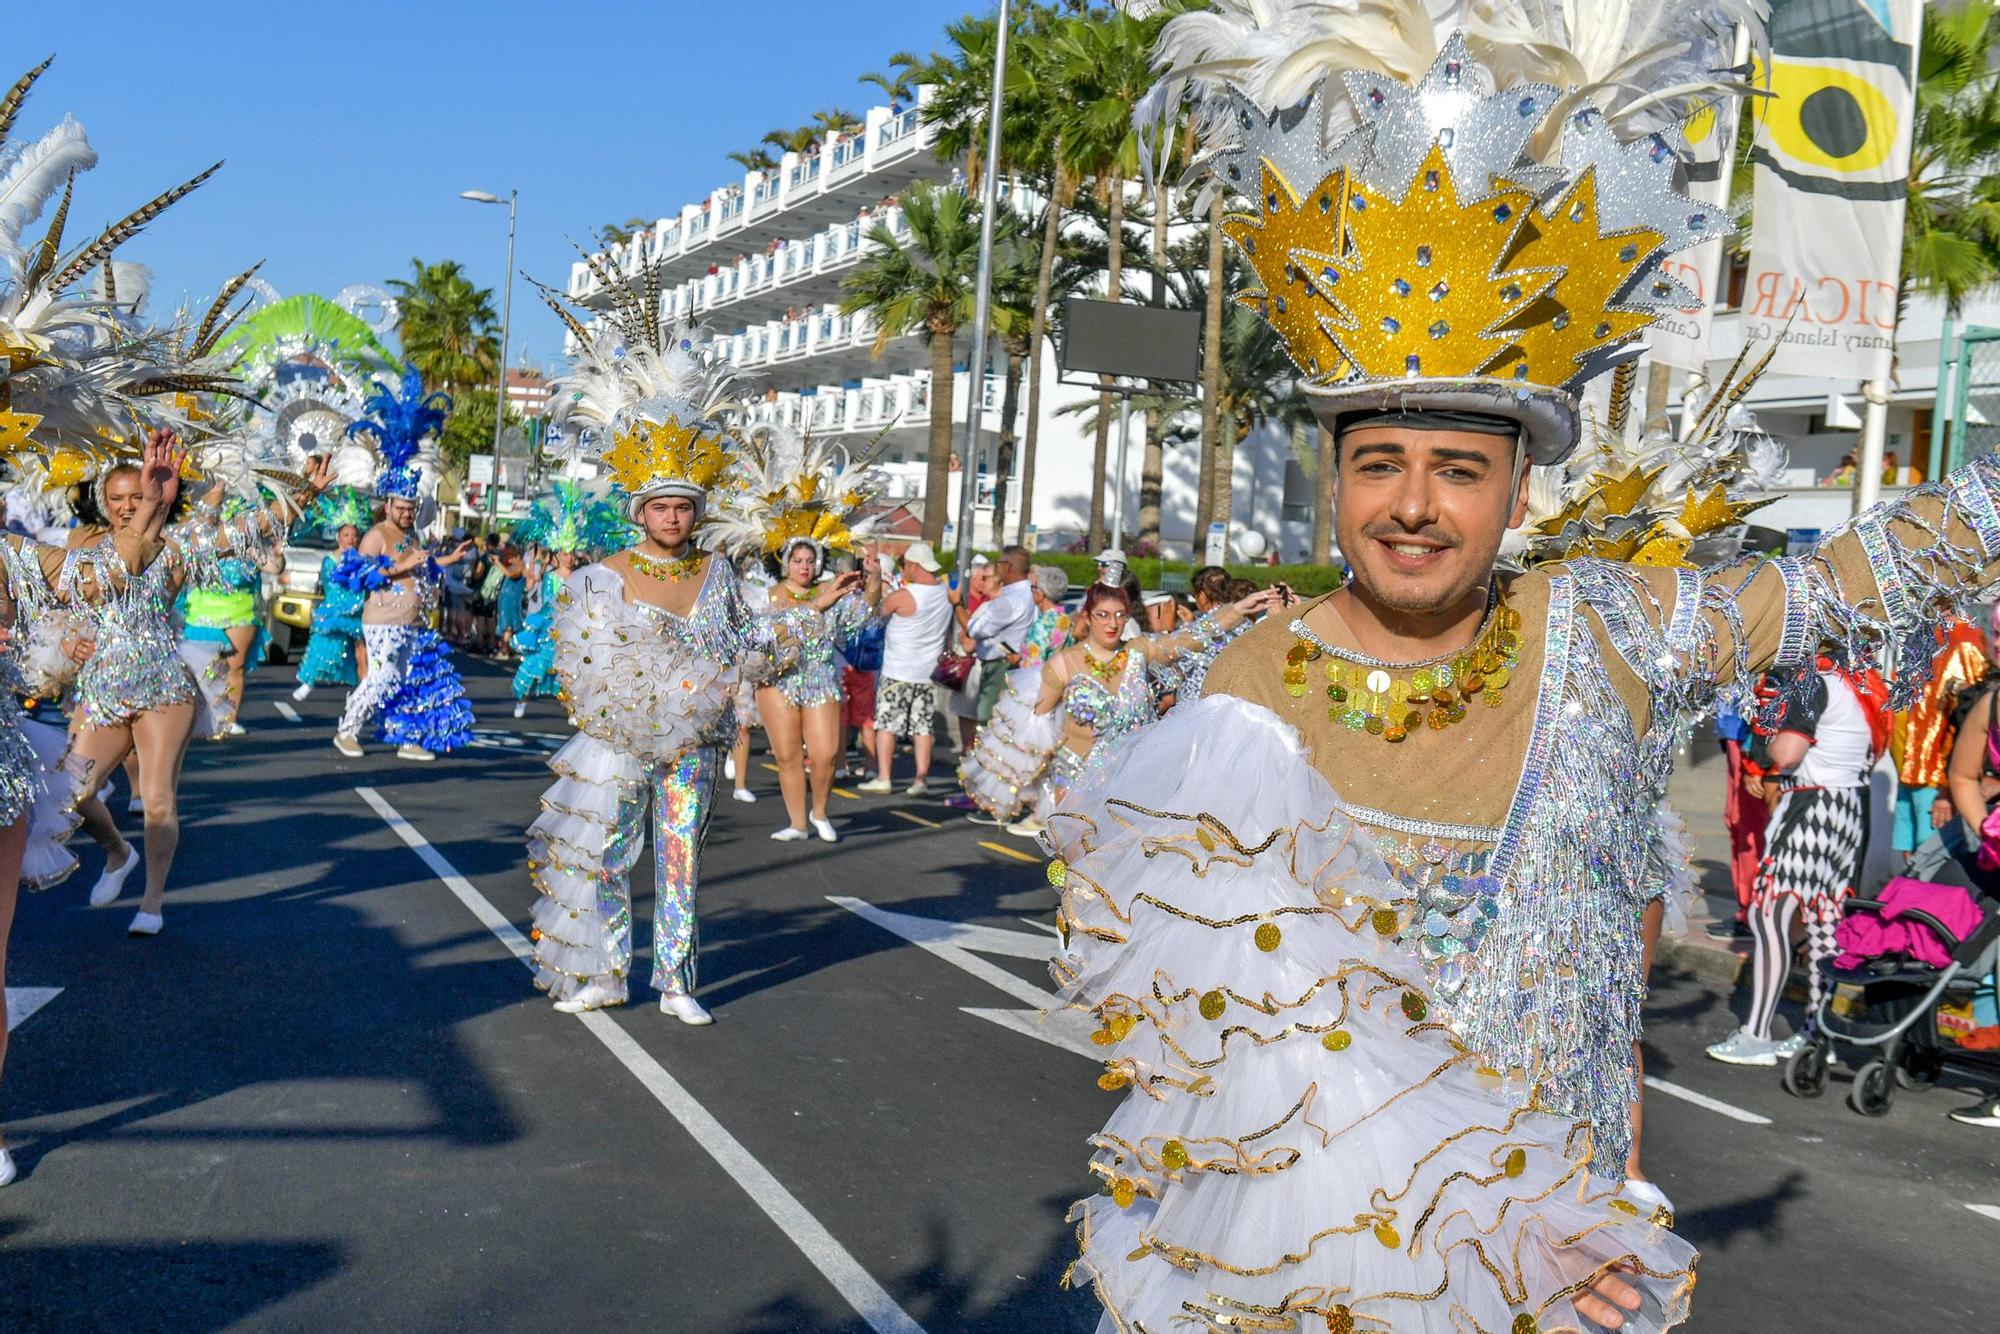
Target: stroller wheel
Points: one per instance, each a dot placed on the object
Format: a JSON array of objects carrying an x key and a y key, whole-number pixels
[
  {"x": 1874, "y": 1089},
  {"x": 1805, "y": 1071}
]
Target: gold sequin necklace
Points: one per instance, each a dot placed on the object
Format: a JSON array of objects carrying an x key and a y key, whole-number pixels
[
  {"x": 1391, "y": 700},
  {"x": 1108, "y": 670},
  {"x": 672, "y": 569}
]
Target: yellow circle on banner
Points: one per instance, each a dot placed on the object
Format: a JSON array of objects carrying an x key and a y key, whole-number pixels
[{"x": 1784, "y": 115}]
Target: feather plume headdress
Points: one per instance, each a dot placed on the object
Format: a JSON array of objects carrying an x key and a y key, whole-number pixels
[
  {"x": 646, "y": 394},
  {"x": 342, "y": 507},
  {"x": 398, "y": 423},
  {"x": 75, "y": 371},
  {"x": 1466, "y": 212},
  {"x": 1663, "y": 500},
  {"x": 793, "y": 489},
  {"x": 571, "y": 519}
]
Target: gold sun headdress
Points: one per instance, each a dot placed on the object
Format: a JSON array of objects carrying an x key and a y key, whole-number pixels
[
  {"x": 646, "y": 394},
  {"x": 1469, "y": 220},
  {"x": 792, "y": 489}
]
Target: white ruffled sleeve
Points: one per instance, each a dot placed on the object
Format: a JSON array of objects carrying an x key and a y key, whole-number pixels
[{"x": 1301, "y": 1140}]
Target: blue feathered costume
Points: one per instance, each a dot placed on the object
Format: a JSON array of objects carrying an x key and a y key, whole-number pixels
[
  {"x": 568, "y": 521},
  {"x": 421, "y": 698},
  {"x": 336, "y": 622}
]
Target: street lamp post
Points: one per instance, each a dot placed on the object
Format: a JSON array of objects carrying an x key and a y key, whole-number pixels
[
  {"x": 968, "y": 474},
  {"x": 506, "y": 330}
]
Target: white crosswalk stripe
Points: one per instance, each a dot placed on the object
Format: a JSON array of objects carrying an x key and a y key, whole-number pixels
[{"x": 24, "y": 1001}]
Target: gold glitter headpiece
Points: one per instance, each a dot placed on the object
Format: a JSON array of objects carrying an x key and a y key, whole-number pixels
[
  {"x": 1663, "y": 500},
  {"x": 793, "y": 489},
  {"x": 645, "y": 395},
  {"x": 1440, "y": 229}
]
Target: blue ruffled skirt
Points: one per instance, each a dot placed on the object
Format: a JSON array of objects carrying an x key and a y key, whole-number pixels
[
  {"x": 535, "y": 677},
  {"x": 336, "y": 629},
  {"x": 429, "y": 708}
]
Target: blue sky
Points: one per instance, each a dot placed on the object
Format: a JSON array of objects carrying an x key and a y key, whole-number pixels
[{"x": 350, "y": 127}]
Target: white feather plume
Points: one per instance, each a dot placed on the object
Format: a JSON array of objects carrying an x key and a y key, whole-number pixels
[
  {"x": 33, "y": 177},
  {"x": 1643, "y": 63}
]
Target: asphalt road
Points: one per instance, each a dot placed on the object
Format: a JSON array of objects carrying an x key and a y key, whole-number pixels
[{"x": 327, "y": 1098}]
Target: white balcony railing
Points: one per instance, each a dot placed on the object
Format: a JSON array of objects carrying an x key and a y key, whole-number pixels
[{"x": 886, "y": 136}]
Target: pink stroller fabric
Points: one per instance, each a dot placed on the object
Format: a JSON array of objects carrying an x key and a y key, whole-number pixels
[{"x": 1873, "y": 935}]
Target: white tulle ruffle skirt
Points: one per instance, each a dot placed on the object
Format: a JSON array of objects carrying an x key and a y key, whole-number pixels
[
  {"x": 1302, "y": 1142},
  {"x": 578, "y": 859},
  {"x": 1002, "y": 772}
]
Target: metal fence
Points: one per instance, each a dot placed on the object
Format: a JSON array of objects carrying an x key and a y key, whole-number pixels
[{"x": 1968, "y": 394}]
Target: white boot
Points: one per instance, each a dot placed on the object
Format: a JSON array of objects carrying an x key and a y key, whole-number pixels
[
  {"x": 520, "y": 708},
  {"x": 305, "y": 688},
  {"x": 146, "y": 924}
]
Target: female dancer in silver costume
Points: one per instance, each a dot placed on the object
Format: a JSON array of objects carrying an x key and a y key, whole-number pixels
[
  {"x": 32, "y": 574},
  {"x": 137, "y": 693}
]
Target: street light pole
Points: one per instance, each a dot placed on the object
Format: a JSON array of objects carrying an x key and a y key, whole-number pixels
[
  {"x": 506, "y": 331},
  {"x": 968, "y": 473}
]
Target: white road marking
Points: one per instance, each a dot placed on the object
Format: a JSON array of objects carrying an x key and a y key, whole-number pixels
[
  {"x": 286, "y": 711},
  {"x": 1703, "y": 1100},
  {"x": 954, "y": 942},
  {"x": 24, "y": 1001},
  {"x": 868, "y": 1298},
  {"x": 1991, "y": 1211}
]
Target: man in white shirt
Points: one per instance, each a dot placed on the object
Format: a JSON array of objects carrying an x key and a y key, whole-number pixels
[
  {"x": 1000, "y": 627},
  {"x": 918, "y": 616}
]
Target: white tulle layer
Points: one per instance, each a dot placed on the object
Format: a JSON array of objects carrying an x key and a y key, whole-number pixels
[
  {"x": 1003, "y": 771},
  {"x": 45, "y": 861},
  {"x": 214, "y": 711},
  {"x": 1225, "y": 925},
  {"x": 575, "y": 939},
  {"x": 1683, "y": 888},
  {"x": 47, "y": 670}
]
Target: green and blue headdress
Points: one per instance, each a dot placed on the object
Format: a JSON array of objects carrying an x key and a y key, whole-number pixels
[{"x": 571, "y": 519}]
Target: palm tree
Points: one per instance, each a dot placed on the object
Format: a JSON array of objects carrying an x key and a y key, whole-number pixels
[
  {"x": 448, "y": 328},
  {"x": 924, "y": 284},
  {"x": 618, "y": 233},
  {"x": 835, "y": 121},
  {"x": 898, "y": 86},
  {"x": 1211, "y": 372},
  {"x": 755, "y": 159},
  {"x": 791, "y": 141},
  {"x": 1951, "y": 229},
  {"x": 1106, "y": 63}
]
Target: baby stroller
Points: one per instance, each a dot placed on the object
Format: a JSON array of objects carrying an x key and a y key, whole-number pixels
[{"x": 1900, "y": 962}]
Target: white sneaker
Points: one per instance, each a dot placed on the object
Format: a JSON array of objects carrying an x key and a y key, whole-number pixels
[
  {"x": 1745, "y": 1048},
  {"x": 136, "y": 804},
  {"x": 824, "y": 828},
  {"x": 745, "y": 795},
  {"x": 917, "y": 789},
  {"x": 1790, "y": 1046},
  {"x": 235, "y": 729},
  {"x": 146, "y": 924},
  {"x": 729, "y": 767},
  {"x": 1984, "y": 1114},
  {"x": 876, "y": 787},
  {"x": 301, "y": 693},
  {"x": 7, "y": 1172},
  {"x": 1028, "y": 828},
  {"x": 520, "y": 708},
  {"x": 347, "y": 745},
  {"x": 788, "y": 835},
  {"x": 596, "y": 996},
  {"x": 409, "y": 750},
  {"x": 113, "y": 880},
  {"x": 686, "y": 1009}
]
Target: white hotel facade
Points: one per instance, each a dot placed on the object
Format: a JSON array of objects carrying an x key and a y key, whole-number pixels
[{"x": 759, "y": 263}]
